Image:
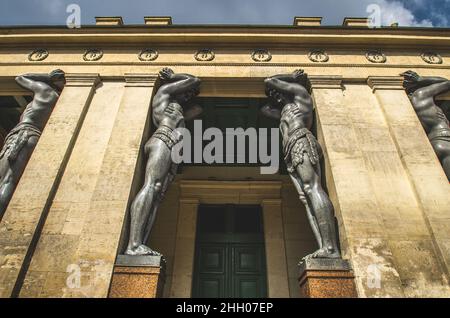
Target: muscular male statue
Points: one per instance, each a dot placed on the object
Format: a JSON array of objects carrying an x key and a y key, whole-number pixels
[
  {"x": 291, "y": 103},
  {"x": 21, "y": 140},
  {"x": 171, "y": 108},
  {"x": 422, "y": 92}
]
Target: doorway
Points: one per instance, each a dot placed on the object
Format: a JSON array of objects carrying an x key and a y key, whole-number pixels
[{"x": 230, "y": 260}]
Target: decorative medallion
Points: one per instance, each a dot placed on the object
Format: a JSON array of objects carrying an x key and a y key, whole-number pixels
[
  {"x": 431, "y": 58},
  {"x": 38, "y": 55},
  {"x": 376, "y": 57},
  {"x": 204, "y": 55},
  {"x": 261, "y": 55},
  {"x": 148, "y": 55},
  {"x": 93, "y": 55},
  {"x": 318, "y": 56}
]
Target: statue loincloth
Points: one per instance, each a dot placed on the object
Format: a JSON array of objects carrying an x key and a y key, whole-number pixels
[
  {"x": 442, "y": 134},
  {"x": 166, "y": 135},
  {"x": 17, "y": 138},
  {"x": 301, "y": 141}
]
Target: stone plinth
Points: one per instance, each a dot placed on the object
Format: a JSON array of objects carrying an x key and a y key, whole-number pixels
[
  {"x": 138, "y": 277},
  {"x": 326, "y": 278}
]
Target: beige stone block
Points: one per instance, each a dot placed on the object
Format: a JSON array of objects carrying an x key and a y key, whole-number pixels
[
  {"x": 33, "y": 284},
  {"x": 278, "y": 286},
  {"x": 413, "y": 144},
  {"x": 98, "y": 247},
  {"x": 374, "y": 138},
  {"x": 104, "y": 217},
  {"x": 397, "y": 108},
  {"x": 340, "y": 141},
  {"x": 418, "y": 264},
  {"x": 276, "y": 257},
  {"x": 181, "y": 286},
  {"x": 54, "y": 284},
  {"x": 55, "y": 252},
  {"x": 187, "y": 221},
  {"x": 84, "y": 165},
  {"x": 184, "y": 258},
  {"x": 372, "y": 259}
]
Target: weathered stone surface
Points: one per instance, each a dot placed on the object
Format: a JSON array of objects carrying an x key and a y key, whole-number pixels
[{"x": 40, "y": 179}]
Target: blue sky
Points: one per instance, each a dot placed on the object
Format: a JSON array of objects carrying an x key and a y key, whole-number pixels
[{"x": 429, "y": 13}]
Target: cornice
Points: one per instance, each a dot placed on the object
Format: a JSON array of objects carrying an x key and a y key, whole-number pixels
[
  {"x": 140, "y": 80},
  {"x": 82, "y": 79},
  {"x": 211, "y": 64},
  {"x": 326, "y": 82},
  {"x": 391, "y": 37},
  {"x": 385, "y": 83}
]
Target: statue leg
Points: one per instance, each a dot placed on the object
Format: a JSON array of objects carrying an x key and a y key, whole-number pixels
[
  {"x": 166, "y": 184},
  {"x": 10, "y": 173},
  {"x": 446, "y": 166},
  {"x": 312, "y": 220},
  {"x": 6, "y": 192},
  {"x": 442, "y": 149},
  {"x": 321, "y": 209},
  {"x": 144, "y": 206}
]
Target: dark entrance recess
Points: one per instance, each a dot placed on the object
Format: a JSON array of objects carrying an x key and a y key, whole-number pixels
[
  {"x": 224, "y": 112},
  {"x": 11, "y": 108},
  {"x": 230, "y": 260}
]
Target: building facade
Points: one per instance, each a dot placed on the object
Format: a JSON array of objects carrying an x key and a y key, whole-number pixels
[{"x": 67, "y": 221}]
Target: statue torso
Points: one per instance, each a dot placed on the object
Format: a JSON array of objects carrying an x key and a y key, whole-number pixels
[
  {"x": 294, "y": 116},
  {"x": 38, "y": 110},
  {"x": 430, "y": 115}
]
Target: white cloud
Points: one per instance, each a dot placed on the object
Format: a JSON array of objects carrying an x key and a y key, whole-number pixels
[{"x": 395, "y": 12}]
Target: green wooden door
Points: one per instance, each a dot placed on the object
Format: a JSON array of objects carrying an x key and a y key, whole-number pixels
[{"x": 230, "y": 256}]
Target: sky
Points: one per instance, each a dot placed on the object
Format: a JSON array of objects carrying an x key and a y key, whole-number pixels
[{"x": 419, "y": 13}]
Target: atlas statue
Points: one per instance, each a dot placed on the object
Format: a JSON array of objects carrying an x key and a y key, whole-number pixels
[
  {"x": 289, "y": 101},
  {"x": 172, "y": 105},
  {"x": 422, "y": 92},
  {"x": 22, "y": 139}
]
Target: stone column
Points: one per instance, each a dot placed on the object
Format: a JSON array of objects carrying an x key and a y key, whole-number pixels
[
  {"x": 419, "y": 160},
  {"x": 75, "y": 255},
  {"x": 22, "y": 222},
  {"x": 183, "y": 267},
  {"x": 350, "y": 187},
  {"x": 274, "y": 241}
]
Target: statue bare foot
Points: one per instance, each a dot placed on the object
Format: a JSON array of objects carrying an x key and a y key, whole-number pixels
[
  {"x": 142, "y": 250},
  {"x": 323, "y": 253}
]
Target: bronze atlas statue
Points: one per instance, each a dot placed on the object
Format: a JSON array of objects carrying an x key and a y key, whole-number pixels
[
  {"x": 172, "y": 106},
  {"x": 291, "y": 103},
  {"x": 21, "y": 140},
  {"x": 422, "y": 92}
]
